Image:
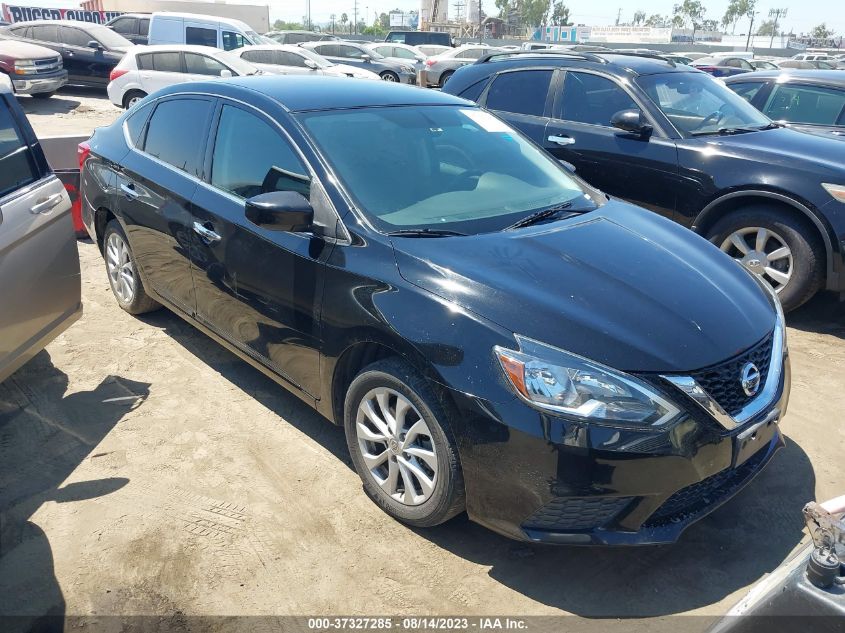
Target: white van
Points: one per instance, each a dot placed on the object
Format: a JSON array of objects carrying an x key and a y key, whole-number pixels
[{"x": 202, "y": 30}]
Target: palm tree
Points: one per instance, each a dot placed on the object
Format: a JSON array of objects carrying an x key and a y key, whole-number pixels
[{"x": 343, "y": 20}]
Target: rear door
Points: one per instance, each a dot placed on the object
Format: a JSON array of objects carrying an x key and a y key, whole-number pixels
[
  {"x": 641, "y": 170},
  {"x": 156, "y": 184},
  {"x": 258, "y": 288},
  {"x": 159, "y": 70},
  {"x": 39, "y": 265},
  {"x": 524, "y": 99}
]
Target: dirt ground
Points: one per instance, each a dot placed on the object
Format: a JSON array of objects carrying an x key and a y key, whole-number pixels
[{"x": 146, "y": 470}]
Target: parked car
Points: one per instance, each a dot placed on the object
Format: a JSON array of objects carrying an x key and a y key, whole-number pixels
[
  {"x": 763, "y": 64},
  {"x": 146, "y": 69},
  {"x": 812, "y": 57},
  {"x": 723, "y": 66},
  {"x": 402, "y": 53},
  {"x": 39, "y": 278},
  {"x": 418, "y": 38},
  {"x": 678, "y": 142},
  {"x": 201, "y": 30},
  {"x": 358, "y": 55},
  {"x": 396, "y": 313},
  {"x": 430, "y": 50},
  {"x": 34, "y": 70},
  {"x": 692, "y": 54},
  {"x": 286, "y": 59},
  {"x": 678, "y": 59},
  {"x": 135, "y": 27},
  {"x": 440, "y": 68},
  {"x": 815, "y": 64},
  {"x": 297, "y": 37},
  {"x": 89, "y": 51}
]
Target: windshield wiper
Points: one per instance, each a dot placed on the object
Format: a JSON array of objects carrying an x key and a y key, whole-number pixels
[
  {"x": 539, "y": 216},
  {"x": 728, "y": 131},
  {"x": 424, "y": 233}
]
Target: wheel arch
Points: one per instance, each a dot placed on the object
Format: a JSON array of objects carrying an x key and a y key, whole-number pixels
[
  {"x": 102, "y": 216},
  {"x": 727, "y": 203}
]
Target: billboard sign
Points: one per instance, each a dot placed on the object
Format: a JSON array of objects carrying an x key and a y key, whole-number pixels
[{"x": 16, "y": 13}]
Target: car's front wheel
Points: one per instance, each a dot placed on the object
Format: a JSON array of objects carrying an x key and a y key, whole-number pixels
[
  {"x": 125, "y": 282},
  {"x": 390, "y": 76},
  {"x": 777, "y": 246},
  {"x": 401, "y": 442}
]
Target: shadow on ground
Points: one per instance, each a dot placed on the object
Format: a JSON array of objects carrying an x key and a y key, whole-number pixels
[
  {"x": 45, "y": 433},
  {"x": 823, "y": 314},
  {"x": 725, "y": 552}
]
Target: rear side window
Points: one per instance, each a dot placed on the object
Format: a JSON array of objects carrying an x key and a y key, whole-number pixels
[
  {"x": 592, "y": 99},
  {"x": 200, "y": 36},
  {"x": 144, "y": 26},
  {"x": 135, "y": 123},
  {"x": 46, "y": 33},
  {"x": 203, "y": 65},
  {"x": 125, "y": 26},
  {"x": 231, "y": 41},
  {"x": 805, "y": 104},
  {"x": 521, "y": 92},
  {"x": 162, "y": 62},
  {"x": 258, "y": 57},
  {"x": 285, "y": 58},
  {"x": 251, "y": 158},
  {"x": 472, "y": 53},
  {"x": 16, "y": 166},
  {"x": 747, "y": 89},
  {"x": 176, "y": 131}
]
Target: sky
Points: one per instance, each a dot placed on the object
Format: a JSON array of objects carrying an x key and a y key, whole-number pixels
[
  {"x": 804, "y": 14},
  {"x": 802, "y": 17}
]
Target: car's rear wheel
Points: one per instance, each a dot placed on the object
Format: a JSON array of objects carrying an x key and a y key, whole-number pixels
[
  {"x": 402, "y": 446},
  {"x": 778, "y": 247},
  {"x": 125, "y": 282},
  {"x": 390, "y": 76},
  {"x": 132, "y": 97},
  {"x": 445, "y": 77}
]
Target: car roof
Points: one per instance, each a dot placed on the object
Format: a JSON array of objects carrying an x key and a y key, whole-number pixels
[
  {"x": 298, "y": 93},
  {"x": 200, "y": 17},
  {"x": 804, "y": 75},
  {"x": 77, "y": 23},
  {"x": 163, "y": 48},
  {"x": 637, "y": 64}
]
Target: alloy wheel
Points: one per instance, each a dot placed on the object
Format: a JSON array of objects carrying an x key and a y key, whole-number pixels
[
  {"x": 396, "y": 445},
  {"x": 390, "y": 77},
  {"x": 132, "y": 101},
  {"x": 763, "y": 252},
  {"x": 119, "y": 267}
]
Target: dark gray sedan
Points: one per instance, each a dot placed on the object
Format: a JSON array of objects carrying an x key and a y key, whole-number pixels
[
  {"x": 808, "y": 100},
  {"x": 439, "y": 68},
  {"x": 355, "y": 54}
]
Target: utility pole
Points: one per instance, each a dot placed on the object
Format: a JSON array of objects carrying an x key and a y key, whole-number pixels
[
  {"x": 750, "y": 30},
  {"x": 332, "y": 17},
  {"x": 777, "y": 14},
  {"x": 308, "y": 14},
  {"x": 618, "y": 16},
  {"x": 355, "y": 16}
]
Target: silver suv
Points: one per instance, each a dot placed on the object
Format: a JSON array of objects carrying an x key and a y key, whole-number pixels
[{"x": 40, "y": 291}]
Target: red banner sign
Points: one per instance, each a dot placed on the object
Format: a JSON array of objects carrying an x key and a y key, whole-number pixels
[{"x": 15, "y": 13}]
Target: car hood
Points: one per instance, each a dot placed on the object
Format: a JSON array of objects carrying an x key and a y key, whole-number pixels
[
  {"x": 25, "y": 50},
  {"x": 619, "y": 285}
]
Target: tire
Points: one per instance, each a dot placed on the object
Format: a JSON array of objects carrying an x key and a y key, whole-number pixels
[
  {"x": 137, "y": 301},
  {"x": 806, "y": 261},
  {"x": 390, "y": 76},
  {"x": 445, "y": 77},
  {"x": 43, "y": 95},
  {"x": 446, "y": 496},
  {"x": 131, "y": 97}
]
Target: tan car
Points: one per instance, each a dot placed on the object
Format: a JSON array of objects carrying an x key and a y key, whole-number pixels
[{"x": 40, "y": 292}]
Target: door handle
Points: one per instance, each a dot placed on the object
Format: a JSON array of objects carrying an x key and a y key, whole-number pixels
[
  {"x": 206, "y": 233},
  {"x": 45, "y": 205},
  {"x": 562, "y": 140},
  {"x": 129, "y": 190}
]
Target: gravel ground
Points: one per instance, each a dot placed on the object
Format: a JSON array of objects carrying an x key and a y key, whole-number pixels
[{"x": 146, "y": 470}]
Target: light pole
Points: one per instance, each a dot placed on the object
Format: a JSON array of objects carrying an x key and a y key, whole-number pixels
[
  {"x": 777, "y": 14},
  {"x": 750, "y": 29}
]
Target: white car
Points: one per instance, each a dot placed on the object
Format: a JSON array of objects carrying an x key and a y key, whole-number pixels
[
  {"x": 395, "y": 51},
  {"x": 430, "y": 50},
  {"x": 146, "y": 69},
  {"x": 286, "y": 59}
]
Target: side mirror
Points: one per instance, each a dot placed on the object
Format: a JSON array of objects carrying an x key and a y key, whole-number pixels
[
  {"x": 631, "y": 121},
  {"x": 95, "y": 45},
  {"x": 310, "y": 63},
  {"x": 280, "y": 211},
  {"x": 225, "y": 73},
  {"x": 366, "y": 57}
]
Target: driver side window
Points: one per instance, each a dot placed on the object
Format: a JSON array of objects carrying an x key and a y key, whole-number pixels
[{"x": 592, "y": 99}]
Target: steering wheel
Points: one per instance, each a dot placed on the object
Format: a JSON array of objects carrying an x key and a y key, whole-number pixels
[{"x": 716, "y": 117}]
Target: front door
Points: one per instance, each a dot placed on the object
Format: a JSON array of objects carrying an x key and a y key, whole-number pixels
[
  {"x": 84, "y": 64},
  {"x": 258, "y": 288},
  {"x": 156, "y": 185},
  {"x": 641, "y": 170}
]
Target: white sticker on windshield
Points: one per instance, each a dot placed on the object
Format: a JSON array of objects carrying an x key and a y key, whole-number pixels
[{"x": 487, "y": 121}]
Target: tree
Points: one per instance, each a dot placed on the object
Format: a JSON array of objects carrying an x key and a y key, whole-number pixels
[
  {"x": 560, "y": 14},
  {"x": 658, "y": 21},
  {"x": 281, "y": 25},
  {"x": 821, "y": 32},
  {"x": 737, "y": 9},
  {"x": 639, "y": 17},
  {"x": 343, "y": 20},
  {"x": 767, "y": 28},
  {"x": 533, "y": 12},
  {"x": 503, "y": 6},
  {"x": 709, "y": 25},
  {"x": 384, "y": 20}
]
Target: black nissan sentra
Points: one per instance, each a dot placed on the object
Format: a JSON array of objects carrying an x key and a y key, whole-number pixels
[{"x": 494, "y": 335}]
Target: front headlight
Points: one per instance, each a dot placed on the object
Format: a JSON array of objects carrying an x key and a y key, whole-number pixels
[
  {"x": 23, "y": 67},
  {"x": 407, "y": 69},
  {"x": 554, "y": 380},
  {"x": 837, "y": 191}
]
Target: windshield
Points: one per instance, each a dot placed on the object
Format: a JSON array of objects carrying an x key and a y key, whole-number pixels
[
  {"x": 240, "y": 66},
  {"x": 263, "y": 39},
  {"x": 109, "y": 38},
  {"x": 698, "y": 104},
  {"x": 321, "y": 61},
  {"x": 440, "y": 168}
]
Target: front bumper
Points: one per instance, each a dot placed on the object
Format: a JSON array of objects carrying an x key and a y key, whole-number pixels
[
  {"x": 408, "y": 78},
  {"x": 30, "y": 85},
  {"x": 537, "y": 477}
]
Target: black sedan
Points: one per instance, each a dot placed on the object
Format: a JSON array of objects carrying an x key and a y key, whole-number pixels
[
  {"x": 807, "y": 100},
  {"x": 494, "y": 335},
  {"x": 89, "y": 51}
]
